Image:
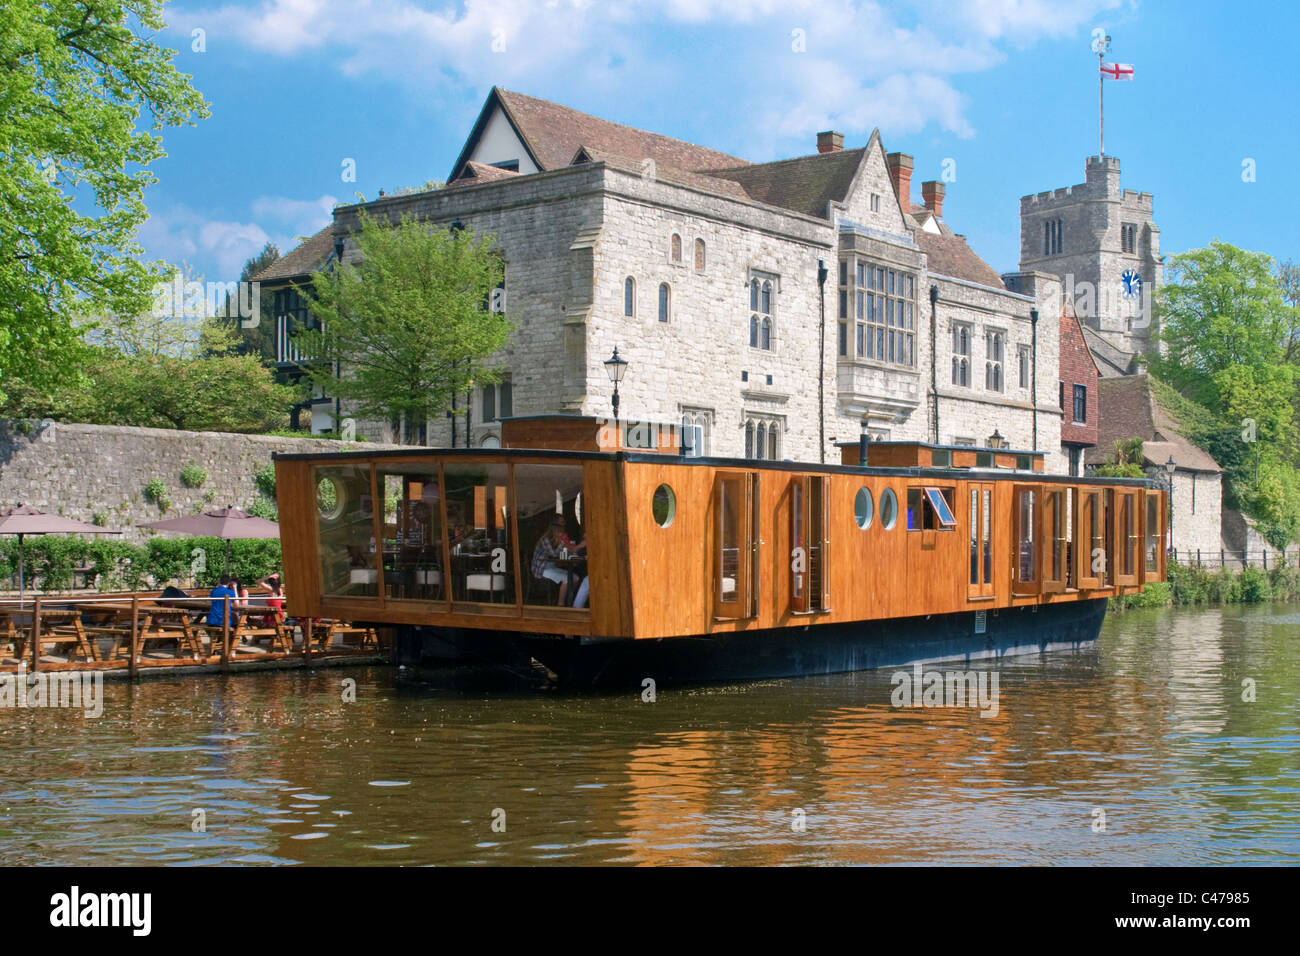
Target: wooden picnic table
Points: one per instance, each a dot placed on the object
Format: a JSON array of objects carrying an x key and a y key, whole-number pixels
[
  {"x": 58, "y": 626},
  {"x": 155, "y": 623}
]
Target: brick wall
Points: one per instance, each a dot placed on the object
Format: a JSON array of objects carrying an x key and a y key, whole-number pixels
[{"x": 1077, "y": 368}]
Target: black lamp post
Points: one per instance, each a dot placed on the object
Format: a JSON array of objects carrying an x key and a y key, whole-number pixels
[
  {"x": 616, "y": 367},
  {"x": 1170, "y": 467},
  {"x": 996, "y": 440}
]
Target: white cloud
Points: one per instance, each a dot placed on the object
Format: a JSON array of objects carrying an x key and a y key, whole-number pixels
[
  {"x": 219, "y": 247},
  {"x": 865, "y": 64}
]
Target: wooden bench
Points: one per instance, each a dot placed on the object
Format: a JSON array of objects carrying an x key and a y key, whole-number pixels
[{"x": 327, "y": 630}]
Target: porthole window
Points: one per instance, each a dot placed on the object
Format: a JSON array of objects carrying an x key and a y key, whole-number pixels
[
  {"x": 664, "y": 506},
  {"x": 864, "y": 508},
  {"x": 888, "y": 508},
  {"x": 330, "y": 498}
]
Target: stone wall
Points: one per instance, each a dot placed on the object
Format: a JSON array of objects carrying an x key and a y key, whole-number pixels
[{"x": 81, "y": 471}]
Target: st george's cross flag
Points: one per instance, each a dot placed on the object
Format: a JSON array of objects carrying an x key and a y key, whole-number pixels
[{"x": 1117, "y": 71}]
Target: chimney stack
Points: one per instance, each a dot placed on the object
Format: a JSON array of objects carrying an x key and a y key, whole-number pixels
[
  {"x": 830, "y": 142},
  {"x": 900, "y": 174},
  {"x": 932, "y": 195}
]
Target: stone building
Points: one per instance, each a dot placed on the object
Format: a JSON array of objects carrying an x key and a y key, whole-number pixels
[
  {"x": 769, "y": 308},
  {"x": 1130, "y": 410},
  {"x": 1103, "y": 244}
]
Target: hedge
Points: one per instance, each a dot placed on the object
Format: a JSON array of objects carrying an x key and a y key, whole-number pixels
[{"x": 120, "y": 565}]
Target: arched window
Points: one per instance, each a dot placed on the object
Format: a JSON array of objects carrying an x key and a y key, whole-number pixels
[
  {"x": 753, "y": 331},
  {"x": 771, "y": 442},
  {"x": 749, "y": 439},
  {"x": 676, "y": 248},
  {"x": 767, "y": 333},
  {"x": 663, "y": 302},
  {"x": 629, "y": 296},
  {"x": 699, "y": 254},
  {"x": 753, "y": 295},
  {"x": 767, "y": 298},
  {"x": 760, "y": 448}
]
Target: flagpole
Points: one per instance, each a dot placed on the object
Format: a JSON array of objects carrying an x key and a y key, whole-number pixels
[{"x": 1101, "y": 112}]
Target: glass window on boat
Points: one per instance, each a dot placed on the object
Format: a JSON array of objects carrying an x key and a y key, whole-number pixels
[
  {"x": 478, "y": 532},
  {"x": 930, "y": 509},
  {"x": 863, "y": 508},
  {"x": 349, "y": 562},
  {"x": 1026, "y": 536},
  {"x": 552, "y": 535},
  {"x": 888, "y": 509},
  {"x": 412, "y": 532}
]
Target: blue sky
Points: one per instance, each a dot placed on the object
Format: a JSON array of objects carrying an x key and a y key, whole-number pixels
[{"x": 1006, "y": 89}]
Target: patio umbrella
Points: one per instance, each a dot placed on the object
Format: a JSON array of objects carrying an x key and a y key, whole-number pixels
[
  {"x": 23, "y": 520},
  {"x": 227, "y": 523}
]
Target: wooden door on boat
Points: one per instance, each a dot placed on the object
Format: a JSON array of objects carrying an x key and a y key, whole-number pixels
[
  {"x": 1090, "y": 550},
  {"x": 809, "y": 587},
  {"x": 735, "y": 545},
  {"x": 1128, "y": 535},
  {"x": 1025, "y": 538},
  {"x": 1052, "y": 523}
]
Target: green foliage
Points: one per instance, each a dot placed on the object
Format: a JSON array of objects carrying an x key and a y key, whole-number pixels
[
  {"x": 1255, "y": 586},
  {"x": 51, "y": 559},
  {"x": 156, "y": 491},
  {"x": 262, "y": 508},
  {"x": 258, "y": 340},
  {"x": 1223, "y": 587},
  {"x": 1230, "y": 325},
  {"x": 409, "y": 323},
  {"x": 1190, "y": 584},
  {"x": 74, "y": 82},
  {"x": 1124, "y": 461},
  {"x": 192, "y": 476},
  {"x": 99, "y": 519},
  {"x": 1155, "y": 594},
  {"x": 265, "y": 481},
  {"x": 1285, "y": 583}
]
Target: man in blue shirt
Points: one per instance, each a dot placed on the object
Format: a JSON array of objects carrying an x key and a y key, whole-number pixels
[{"x": 217, "y": 613}]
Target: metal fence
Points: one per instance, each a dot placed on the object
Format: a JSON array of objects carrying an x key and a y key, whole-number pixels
[{"x": 1234, "y": 560}]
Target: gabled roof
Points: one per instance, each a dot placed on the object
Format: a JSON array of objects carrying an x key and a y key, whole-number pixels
[
  {"x": 475, "y": 173},
  {"x": 552, "y": 134},
  {"x": 1128, "y": 409},
  {"x": 669, "y": 174},
  {"x": 301, "y": 260},
  {"x": 947, "y": 254},
  {"x": 804, "y": 184}
]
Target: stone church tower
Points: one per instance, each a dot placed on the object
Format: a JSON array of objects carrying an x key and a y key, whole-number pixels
[{"x": 1101, "y": 241}]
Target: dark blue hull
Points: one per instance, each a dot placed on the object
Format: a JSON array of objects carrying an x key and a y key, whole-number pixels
[{"x": 775, "y": 652}]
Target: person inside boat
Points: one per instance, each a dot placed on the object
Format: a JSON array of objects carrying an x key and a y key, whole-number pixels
[{"x": 547, "y": 554}]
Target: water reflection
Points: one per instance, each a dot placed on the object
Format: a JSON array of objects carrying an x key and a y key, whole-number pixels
[{"x": 1149, "y": 727}]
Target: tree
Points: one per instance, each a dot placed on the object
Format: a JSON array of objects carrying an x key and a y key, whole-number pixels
[
  {"x": 1222, "y": 307},
  {"x": 411, "y": 324},
  {"x": 259, "y": 339},
  {"x": 1229, "y": 326},
  {"x": 161, "y": 371},
  {"x": 1288, "y": 277},
  {"x": 74, "y": 162}
]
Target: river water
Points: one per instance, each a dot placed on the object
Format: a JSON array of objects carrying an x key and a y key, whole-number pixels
[{"x": 1140, "y": 750}]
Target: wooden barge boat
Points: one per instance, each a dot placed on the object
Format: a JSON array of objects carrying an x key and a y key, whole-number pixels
[{"x": 704, "y": 568}]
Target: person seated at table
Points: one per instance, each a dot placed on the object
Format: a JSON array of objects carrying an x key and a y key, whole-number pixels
[
  {"x": 223, "y": 596},
  {"x": 275, "y": 602},
  {"x": 547, "y": 553}
]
